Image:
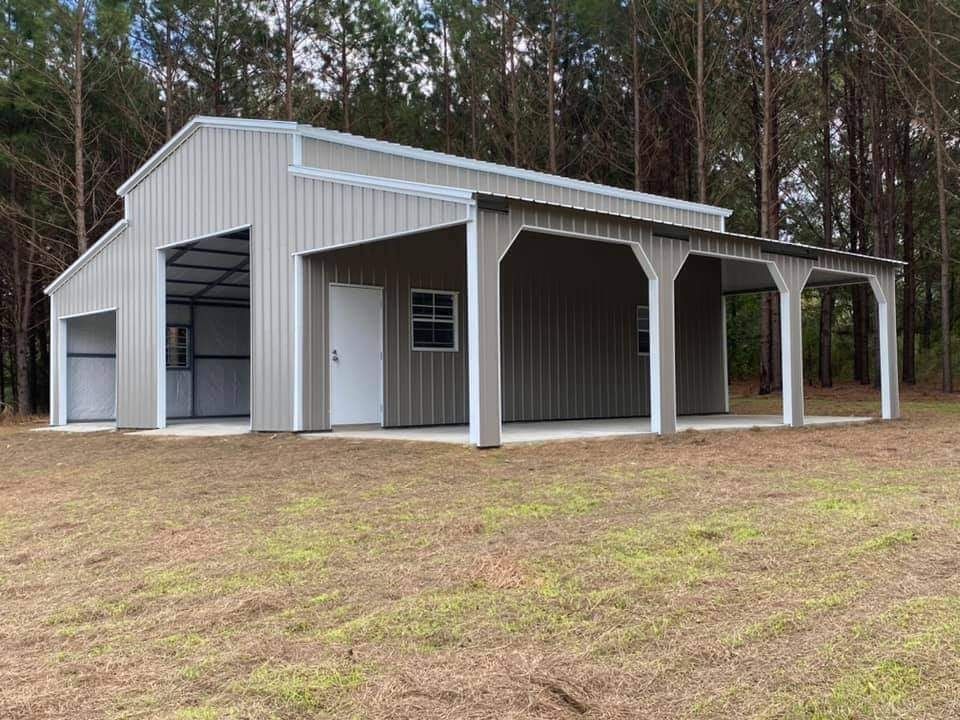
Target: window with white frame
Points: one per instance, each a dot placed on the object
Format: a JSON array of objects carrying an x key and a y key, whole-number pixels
[
  {"x": 433, "y": 318},
  {"x": 643, "y": 330},
  {"x": 178, "y": 347}
]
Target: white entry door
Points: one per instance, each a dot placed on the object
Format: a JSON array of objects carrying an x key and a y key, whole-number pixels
[{"x": 356, "y": 359}]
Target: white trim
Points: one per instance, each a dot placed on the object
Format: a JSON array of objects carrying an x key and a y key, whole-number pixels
[
  {"x": 88, "y": 312},
  {"x": 381, "y": 146},
  {"x": 373, "y": 182},
  {"x": 87, "y": 256},
  {"x": 296, "y": 148},
  {"x": 205, "y": 236},
  {"x": 160, "y": 325},
  {"x": 378, "y": 288},
  {"x": 473, "y": 327},
  {"x": 298, "y": 349},
  {"x": 455, "y": 322},
  {"x": 195, "y": 123},
  {"x": 378, "y": 238}
]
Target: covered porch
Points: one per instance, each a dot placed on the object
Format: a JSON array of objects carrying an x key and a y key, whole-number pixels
[{"x": 527, "y": 323}]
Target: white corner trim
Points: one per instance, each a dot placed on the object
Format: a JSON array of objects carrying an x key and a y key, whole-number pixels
[
  {"x": 91, "y": 252},
  {"x": 373, "y": 182},
  {"x": 298, "y": 308},
  {"x": 381, "y": 146},
  {"x": 187, "y": 130}
]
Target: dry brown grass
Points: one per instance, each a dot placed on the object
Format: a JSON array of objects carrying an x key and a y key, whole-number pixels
[{"x": 775, "y": 573}]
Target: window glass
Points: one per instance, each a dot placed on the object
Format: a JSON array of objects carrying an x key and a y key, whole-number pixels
[
  {"x": 433, "y": 316},
  {"x": 643, "y": 330},
  {"x": 178, "y": 347}
]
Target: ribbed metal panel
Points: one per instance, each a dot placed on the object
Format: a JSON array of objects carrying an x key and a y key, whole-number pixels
[
  {"x": 221, "y": 178},
  {"x": 334, "y": 156},
  {"x": 420, "y": 387},
  {"x": 216, "y": 180},
  {"x": 701, "y": 380},
  {"x": 569, "y": 335}
]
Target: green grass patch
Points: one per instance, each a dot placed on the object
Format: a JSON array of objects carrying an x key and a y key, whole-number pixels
[
  {"x": 306, "y": 505},
  {"x": 170, "y": 583},
  {"x": 865, "y": 693},
  {"x": 303, "y": 688},
  {"x": 889, "y": 541}
]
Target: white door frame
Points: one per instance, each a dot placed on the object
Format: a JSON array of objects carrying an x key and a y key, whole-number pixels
[{"x": 379, "y": 289}]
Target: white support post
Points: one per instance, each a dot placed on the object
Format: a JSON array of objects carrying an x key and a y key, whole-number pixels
[
  {"x": 662, "y": 259},
  {"x": 483, "y": 329},
  {"x": 160, "y": 320},
  {"x": 791, "y": 348},
  {"x": 884, "y": 289},
  {"x": 790, "y": 273},
  {"x": 663, "y": 373},
  {"x": 298, "y": 301}
]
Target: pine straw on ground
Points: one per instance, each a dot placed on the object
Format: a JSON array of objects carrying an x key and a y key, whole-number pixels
[{"x": 805, "y": 573}]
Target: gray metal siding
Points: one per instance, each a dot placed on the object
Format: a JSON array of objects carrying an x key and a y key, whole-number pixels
[
  {"x": 701, "y": 379},
  {"x": 569, "y": 338},
  {"x": 334, "y": 156},
  {"x": 222, "y": 178},
  {"x": 215, "y": 180},
  {"x": 420, "y": 388},
  {"x": 568, "y": 329}
]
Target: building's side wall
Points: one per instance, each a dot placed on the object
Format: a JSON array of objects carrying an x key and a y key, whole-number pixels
[
  {"x": 420, "y": 388},
  {"x": 568, "y": 326},
  {"x": 219, "y": 179},
  {"x": 701, "y": 375},
  {"x": 569, "y": 330},
  {"x": 332, "y": 156}
]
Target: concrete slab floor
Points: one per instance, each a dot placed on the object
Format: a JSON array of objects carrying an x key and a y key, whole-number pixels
[
  {"x": 79, "y": 427},
  {"x": 559, "y": 430},
  {"x": 200, "y": 427}
]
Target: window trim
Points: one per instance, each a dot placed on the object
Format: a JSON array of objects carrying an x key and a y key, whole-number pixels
[
  {"x": 189, "y": 348},
  {"x": 455, "y": 294},
  {"x": 636, "y": 324}
]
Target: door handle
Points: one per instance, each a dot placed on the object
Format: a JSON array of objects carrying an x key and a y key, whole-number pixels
[{"x": 334, "y": 356}]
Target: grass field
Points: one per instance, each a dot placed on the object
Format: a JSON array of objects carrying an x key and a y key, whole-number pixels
[{"x": 809, "y": 573}]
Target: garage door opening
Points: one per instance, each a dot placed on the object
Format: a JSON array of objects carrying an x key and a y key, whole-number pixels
[
  {"x": 91, "y": 367},
  {"x": 207, "y": 328}
]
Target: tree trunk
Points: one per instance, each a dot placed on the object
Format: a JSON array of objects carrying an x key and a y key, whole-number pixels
[
  {"x": 168, "y": 80},
  {"x": 23, "y": 268},
  {"x": 826, "y": 296},
  {"x": 909, "y": 272},
  {"x": 635, "y": 88},
  {"x": 946, "y": 366},
  {"x": 551, "y": 92},
  {"x": 701, "y": 105},
  {"x": 288, "y": 58},
  {"x": 76, "y": 103}
]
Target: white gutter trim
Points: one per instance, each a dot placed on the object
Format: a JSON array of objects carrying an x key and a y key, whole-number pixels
[
  {"x": 373, "y": 182},
  {"x": 187, "y": 130},
  {"x": 93, "y": 250},
  {"x": 389, "y": 148}
]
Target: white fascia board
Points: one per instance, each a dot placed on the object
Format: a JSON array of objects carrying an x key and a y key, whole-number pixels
[
  {"x": 405, "y": 187},
  {"x": 91, "y": 252},
  {"x": 199, "y": 121},
  {"x": 389, "y": 148}
]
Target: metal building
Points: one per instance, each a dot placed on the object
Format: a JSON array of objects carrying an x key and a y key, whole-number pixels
[{"x": 311, "y": 279}]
